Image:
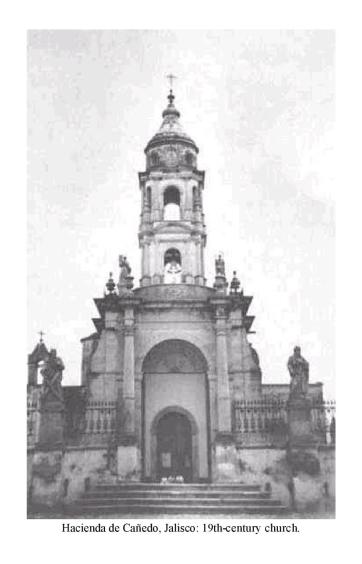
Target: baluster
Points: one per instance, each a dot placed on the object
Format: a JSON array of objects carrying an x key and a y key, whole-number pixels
[
  {"x": 99, "y": 420},
  {"x": 91, "y": 420}
]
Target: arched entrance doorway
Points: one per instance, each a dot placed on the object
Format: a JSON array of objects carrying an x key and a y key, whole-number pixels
[
  {"x": 174, "y": 446},
  {"x": 175, "y": 412}
]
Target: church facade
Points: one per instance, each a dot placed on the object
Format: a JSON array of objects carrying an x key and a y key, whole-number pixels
[{"x": 171, "y": 389}]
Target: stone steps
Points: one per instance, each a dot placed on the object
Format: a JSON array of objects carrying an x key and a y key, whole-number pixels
[
  {"x": 182, "y": 499},
  {"x": 177, "y": 495},
  {"x": 164, "y": 500},
  {"x": 149, "y": 487}
]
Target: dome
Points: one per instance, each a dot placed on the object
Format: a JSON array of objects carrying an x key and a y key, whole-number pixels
[{"x": 171, "y": 131}]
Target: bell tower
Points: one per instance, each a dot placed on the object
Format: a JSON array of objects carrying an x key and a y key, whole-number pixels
[{"x": 172, "y": 234}]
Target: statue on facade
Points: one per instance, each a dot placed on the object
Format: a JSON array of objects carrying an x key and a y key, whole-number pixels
[
  {"x": 299, "y": 374},
  {"x": 125, "y": 273},
  {"x": 125, "y": 268},
  {"x": 220, "y": 266},
  {"x": 52, "y": 377},
  {"x": 173, "y": 272}
]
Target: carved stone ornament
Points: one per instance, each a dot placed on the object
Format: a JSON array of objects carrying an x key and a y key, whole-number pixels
[{"x": 220, "y": 266}]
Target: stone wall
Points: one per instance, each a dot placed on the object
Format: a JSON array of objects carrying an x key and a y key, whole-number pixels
[
  {"x": 57, "y": 479},
  {"x": 301, "y": 489}
]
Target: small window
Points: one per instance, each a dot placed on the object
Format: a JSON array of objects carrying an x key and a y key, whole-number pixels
[
  {"x": 149, "y": 196},
  {"x": 196, "y": 198},
  {"x": 154, "y": 158},
  {"x": 189, "y": 158}
]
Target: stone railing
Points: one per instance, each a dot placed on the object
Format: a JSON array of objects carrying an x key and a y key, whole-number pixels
[
  {"x": 323, "y": 416},
  {"x": 265, "y": 422},
  {"x": 99, "y": 418},
  {"x": 87, "y": 420},
  {"x": 260, "y": 422}
]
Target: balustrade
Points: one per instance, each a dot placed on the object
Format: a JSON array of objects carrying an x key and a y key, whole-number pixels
[
  {"x": 99, "y": 418},
  {"x": 265, "y": 421}
]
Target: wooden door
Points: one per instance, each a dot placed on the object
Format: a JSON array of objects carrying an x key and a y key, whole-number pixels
[{"x": 174, "y": 447}]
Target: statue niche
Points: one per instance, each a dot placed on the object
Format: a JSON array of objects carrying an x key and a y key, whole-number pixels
[{"x": 173, "y": 270}]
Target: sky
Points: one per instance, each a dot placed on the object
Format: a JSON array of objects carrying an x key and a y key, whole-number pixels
[{"x": 259, "y": 105}]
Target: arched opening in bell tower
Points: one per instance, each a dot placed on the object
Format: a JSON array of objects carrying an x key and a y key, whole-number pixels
[
  {"x": 171, "y": 204},
  {"x": 172, "y": 264},
  {"x": 172, "y": 255}
]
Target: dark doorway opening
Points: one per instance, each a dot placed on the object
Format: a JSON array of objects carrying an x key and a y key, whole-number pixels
[{"x": 174, "y": 447}]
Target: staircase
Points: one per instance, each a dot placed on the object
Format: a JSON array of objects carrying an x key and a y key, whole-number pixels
[{"x": 179, "y": 499}]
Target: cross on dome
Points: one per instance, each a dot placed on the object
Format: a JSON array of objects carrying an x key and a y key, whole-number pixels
[{"x": 171, "y": 77}]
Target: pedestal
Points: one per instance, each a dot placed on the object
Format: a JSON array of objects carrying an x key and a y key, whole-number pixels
[
  {"x": 299, "y": 423},
  {"x": 145, "y": 280},
  {"x": 46, "y": 479},
  {"x": 51, "y": 425},
  {"x": 189, "y": 279},
  {"x": 128, "y": 462},
  {"x": 199, "y": 280}
]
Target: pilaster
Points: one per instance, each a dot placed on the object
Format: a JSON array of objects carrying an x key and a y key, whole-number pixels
[
  {"x": 128, "y": 427},
  {"x": 223, "y": 386}
]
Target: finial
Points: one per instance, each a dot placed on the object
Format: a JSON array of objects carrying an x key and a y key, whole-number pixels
[
  {"x": 110, "y": 284},
  {"x": 220, "y": 265},
  {"x": 41, "y": 333},
  {"x": 171, "y": 98},
  {"x": 234, "y": 284}
]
